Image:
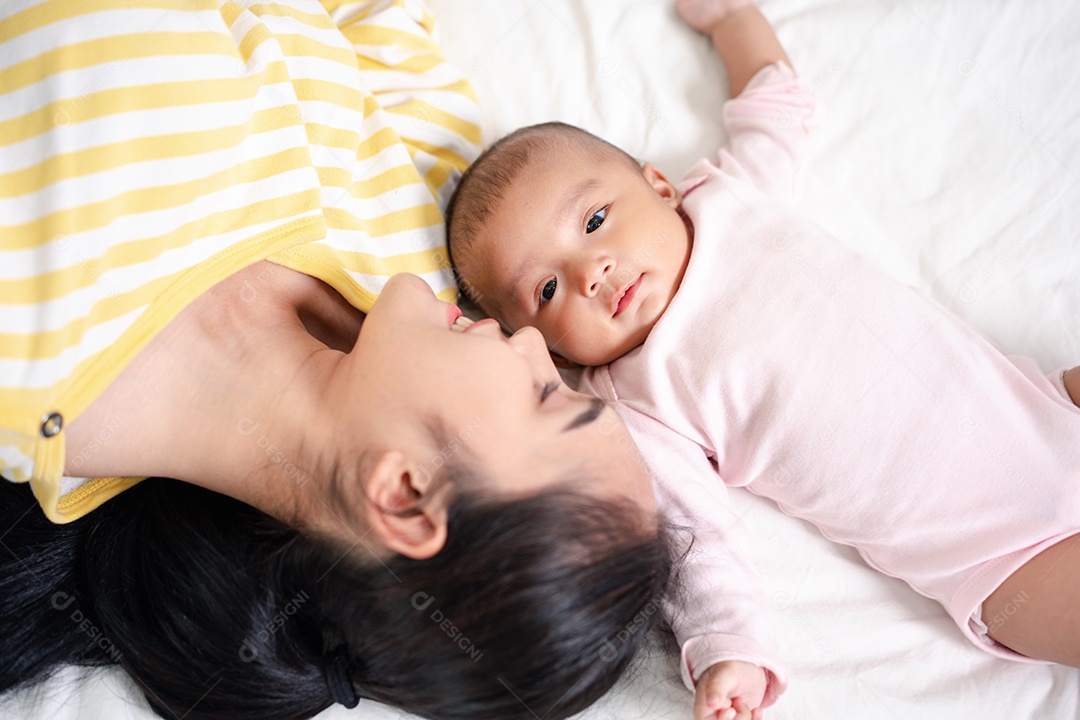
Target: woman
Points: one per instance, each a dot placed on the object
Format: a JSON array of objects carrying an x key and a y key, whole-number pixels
[
  {"x": 443, "y": 572},
  {"x": 191, "y": 252}
]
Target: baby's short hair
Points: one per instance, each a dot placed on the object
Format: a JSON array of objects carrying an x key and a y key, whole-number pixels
[{"x": 482, "y": 185}]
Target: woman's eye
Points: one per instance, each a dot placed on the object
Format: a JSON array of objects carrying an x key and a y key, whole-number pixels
[
  {"x": 596, "y": 220},
  {"x": 548, "y": 389},
  {"x": 548, "y": 291}
]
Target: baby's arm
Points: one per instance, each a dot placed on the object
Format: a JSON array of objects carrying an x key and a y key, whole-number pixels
[
  {"x": 717, "y": 607},
  {"x": 741, "y": 35},
  {"x": 771, "y": 110}
]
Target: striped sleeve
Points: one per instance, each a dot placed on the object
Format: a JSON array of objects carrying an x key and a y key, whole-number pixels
[{"x": 419, "y": 130}]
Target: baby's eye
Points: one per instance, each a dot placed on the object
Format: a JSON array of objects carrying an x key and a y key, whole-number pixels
[
  {"x": 548, "y": 291},
  {"x": 596, "y": 220}
]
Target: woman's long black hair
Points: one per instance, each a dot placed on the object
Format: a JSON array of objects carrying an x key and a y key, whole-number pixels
[{"x": 533, "y": 608}]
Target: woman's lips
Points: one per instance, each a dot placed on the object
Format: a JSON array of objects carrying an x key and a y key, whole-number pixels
[
  {"x": 625, "y": 297},
  {"x": 479, "y": 323},
  {"x": 453, "y": 312}
]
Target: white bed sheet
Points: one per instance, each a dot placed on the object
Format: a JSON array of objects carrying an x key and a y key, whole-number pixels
[{"x": 949, "y": 154}]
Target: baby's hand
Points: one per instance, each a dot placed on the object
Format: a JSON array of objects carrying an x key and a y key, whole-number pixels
[
  {"x": 731, "y": 690},
  {"x": 703, "y": 15}
]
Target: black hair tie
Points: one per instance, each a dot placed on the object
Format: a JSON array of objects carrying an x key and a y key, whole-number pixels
[{"x": 335, "y": 668}]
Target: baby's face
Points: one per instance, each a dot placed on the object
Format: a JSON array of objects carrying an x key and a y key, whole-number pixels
[{"x": 589, "y": 251}]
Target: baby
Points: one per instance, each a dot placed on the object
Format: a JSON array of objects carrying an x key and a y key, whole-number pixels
[{"x": 743, "y": 346}]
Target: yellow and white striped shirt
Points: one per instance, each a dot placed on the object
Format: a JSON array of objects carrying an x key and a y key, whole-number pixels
[{"x": 151, "y": 148}]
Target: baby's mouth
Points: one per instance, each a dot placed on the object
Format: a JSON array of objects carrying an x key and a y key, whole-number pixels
[{"x": 625, "y": 297}]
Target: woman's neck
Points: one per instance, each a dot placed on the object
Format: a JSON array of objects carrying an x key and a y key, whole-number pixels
[{"x": 227, "y": 396}]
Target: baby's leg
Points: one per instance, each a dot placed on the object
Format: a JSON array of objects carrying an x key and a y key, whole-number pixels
[
  {"x": 1071, "y": 378},
  {"x": 1036, "y": 611}
]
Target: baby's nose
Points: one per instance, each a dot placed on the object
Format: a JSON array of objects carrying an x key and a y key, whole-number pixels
[{"x": 595, "y": 275}]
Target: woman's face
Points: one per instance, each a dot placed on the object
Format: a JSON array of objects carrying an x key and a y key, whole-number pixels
[{"x": 499, "y": 400}]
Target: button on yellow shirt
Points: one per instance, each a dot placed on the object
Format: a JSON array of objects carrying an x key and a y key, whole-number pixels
[{"x": 150, "y": 149}]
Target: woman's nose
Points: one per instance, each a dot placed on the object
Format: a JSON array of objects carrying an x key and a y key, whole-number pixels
[
  {"x": 530, "y": 344},
  {"x": 594, "y": 275}
]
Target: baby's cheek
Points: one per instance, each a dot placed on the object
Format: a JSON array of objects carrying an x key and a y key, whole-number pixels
[
  {"x": 568, "y": 332},
  {"x": 589, "y": 344}
]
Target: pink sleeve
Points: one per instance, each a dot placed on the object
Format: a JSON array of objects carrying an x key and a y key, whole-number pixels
[
  {"x": 717, "y": 608},
  {"x": 1053, "y": 384},
  {"x": 767, "y": 126}
]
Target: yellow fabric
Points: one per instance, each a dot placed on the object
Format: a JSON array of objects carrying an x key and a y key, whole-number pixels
[{"x": 151, "y": 148}]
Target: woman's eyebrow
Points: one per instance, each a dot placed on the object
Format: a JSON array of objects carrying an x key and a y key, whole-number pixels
[{"x": 596, "y": 406}]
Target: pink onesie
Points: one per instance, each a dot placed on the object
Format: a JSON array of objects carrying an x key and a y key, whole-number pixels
[{"x": 788, "y": 365}]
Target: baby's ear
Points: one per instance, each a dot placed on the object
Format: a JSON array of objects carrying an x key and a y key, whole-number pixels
[
  {"x": 562, "y": 363},
  {"x": 664, "y": 187}
]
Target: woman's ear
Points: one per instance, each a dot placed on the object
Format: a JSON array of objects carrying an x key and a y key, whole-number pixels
[
  {"x": 661, "y": 185},
  {"x": 400, "y": 511}
]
